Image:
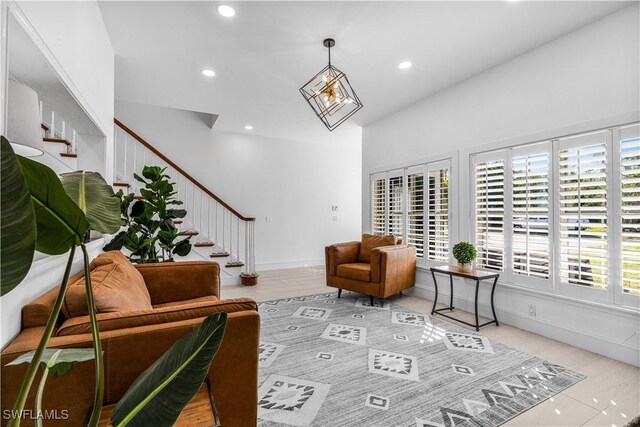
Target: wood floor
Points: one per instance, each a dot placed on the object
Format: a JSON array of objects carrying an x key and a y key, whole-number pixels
[{"x": 609, "y": 396}]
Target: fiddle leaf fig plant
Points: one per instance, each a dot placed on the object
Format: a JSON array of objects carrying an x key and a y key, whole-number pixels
[
  {"x": 38, "y": 213},
  {"x": 150, "y": 234}
]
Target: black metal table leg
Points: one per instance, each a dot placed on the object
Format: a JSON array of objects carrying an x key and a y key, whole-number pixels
[
  {"x": 435, "y": 300},
  {"x": 477, "y": 289},
  {"x": 495, "y": 281},
  {"x": 451, "y": 307}
]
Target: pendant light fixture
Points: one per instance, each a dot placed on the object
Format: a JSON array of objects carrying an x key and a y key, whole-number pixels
[{"x": 330, "y": 94}]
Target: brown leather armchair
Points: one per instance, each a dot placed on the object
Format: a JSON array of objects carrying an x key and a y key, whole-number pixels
[
  {"x": 182, "y": 294},
  {"x": 377, "y": 266}
]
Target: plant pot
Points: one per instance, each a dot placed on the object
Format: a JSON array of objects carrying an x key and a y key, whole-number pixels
[{"x": 465, "y": 266}]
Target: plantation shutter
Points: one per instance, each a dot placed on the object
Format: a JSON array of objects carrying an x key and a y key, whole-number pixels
[
  {"x": 415, "y": 209},
  {"x": 630, "y": 208},
  {"x": 489, "y": 211},
  {"x": 396, "y": 204},
  {"x": 583, "y": 221},
  {"x": 530, "y": 210},
  {"x": 438, "y": 212},
  {"x": 378, "y": 204}
]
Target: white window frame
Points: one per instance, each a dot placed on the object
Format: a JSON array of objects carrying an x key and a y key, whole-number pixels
[
  {"x": 532, "y": 149},
  {"x": 614, "y": 294},
  {"x": 423, "y": 165},
  {"x": 577, "y": 291},
  {"x": 492, "y": 156}
]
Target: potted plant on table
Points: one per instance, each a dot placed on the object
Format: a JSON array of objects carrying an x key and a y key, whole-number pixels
[{"x": 465, "y": 253}]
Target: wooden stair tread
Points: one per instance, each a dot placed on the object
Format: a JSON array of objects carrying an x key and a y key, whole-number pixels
[
  {"x": 57, "y": 140},
  {"x": 44, "y": 126},
  {"x": 177, "y": 221},
  {"x": 204, "y": 244},
  {"x": 72, "y": 155},
  {"x": 138, "y": 197},
  {"x": 188, "y": 233},
  {"x": 234, "y": 264},
  {"x": 219, "y": 254},
  {"x": 121, "y": 184}
]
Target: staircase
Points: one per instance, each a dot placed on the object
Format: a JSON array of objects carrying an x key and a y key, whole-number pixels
[
  {"x": 218, "y": 232},
  {"x": 59, "y": 141}
]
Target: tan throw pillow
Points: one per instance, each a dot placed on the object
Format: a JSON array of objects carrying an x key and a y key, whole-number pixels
[
  {"x": 370, "y": 242},
  {"x": 117, "y": 286}
]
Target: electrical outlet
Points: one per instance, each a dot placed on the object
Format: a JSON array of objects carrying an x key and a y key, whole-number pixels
[
  {"x": 335, "y": 218},
  {"x": 532, "y": 310}
]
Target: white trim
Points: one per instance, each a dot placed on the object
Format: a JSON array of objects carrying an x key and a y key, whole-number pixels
[
  {"x": 629, "y": 312},
  {"x": 619, "y": 120},
  {"x": 600, "y": 344},
  {"x": 414, "y": 162},
  {"x": 66, "y": 81},
  {"x": 281, "y": 265}
]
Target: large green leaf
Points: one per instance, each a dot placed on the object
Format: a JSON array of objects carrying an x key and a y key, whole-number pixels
[
  {"x": 18, "y": 228},
  {"x": 61, "y": 224},
  {"x": 96, "y": 199},
  {"x": 66, "y": 359},
  {"x": 160, "y": 393}
]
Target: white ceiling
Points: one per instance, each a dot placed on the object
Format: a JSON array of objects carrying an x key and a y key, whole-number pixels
[{"x": 269, "y": 49}]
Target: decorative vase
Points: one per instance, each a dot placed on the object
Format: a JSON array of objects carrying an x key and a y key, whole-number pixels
[{"x": 465, "y": 266}]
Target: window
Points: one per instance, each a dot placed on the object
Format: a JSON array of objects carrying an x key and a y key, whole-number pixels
[
  {"x": 413, "y": 204},
  {"x": 396, "y": 206},
  {"x": 378, "y": 206},
  {"x": 530, "y": 223},
  {"x": 562, "y": 214},
  {"x": 438, "y": 214},
  {"x": 583, "y": 222},
  {"x": 630, "y": 208},
  {"x": 489, "y": 214},
  {"x": 415, "y": 211}
]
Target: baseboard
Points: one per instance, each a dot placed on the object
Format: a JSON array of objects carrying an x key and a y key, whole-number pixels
[
  {"x": 621, "y": 351},
  {"x": 280, "y": 265}
]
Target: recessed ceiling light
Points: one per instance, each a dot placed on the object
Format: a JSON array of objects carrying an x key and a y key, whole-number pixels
[
  {"x": 248, "y": 127},
  {"x": 208, "y": 73},
  {"x": 226, "y": 11},
  {"x": 404, "y": 65}
]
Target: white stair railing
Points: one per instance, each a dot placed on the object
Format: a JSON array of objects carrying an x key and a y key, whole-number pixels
[{"x": 229, "y": 235}]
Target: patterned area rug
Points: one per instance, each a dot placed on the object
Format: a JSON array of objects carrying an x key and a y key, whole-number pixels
[{"x": 331, "y": 362}]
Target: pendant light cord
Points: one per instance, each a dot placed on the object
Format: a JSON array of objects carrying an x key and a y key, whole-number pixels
[{"x": 329, "y": 54}]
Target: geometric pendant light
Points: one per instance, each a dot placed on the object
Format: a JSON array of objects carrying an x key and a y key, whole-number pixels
[{"x": 330, "y": 94}]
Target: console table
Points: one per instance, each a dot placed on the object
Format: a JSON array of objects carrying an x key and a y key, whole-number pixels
[{"x": 476, "y": 275}]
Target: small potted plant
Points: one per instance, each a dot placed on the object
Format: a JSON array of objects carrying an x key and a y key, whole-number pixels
[{"x": 465, "y": 254}]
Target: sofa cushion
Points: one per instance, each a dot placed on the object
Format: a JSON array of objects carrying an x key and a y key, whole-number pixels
[
  {"x": 369, "y": 242},
  {"x": 117, "y": 286},
  {"x": 355, "y": 271},
  {"x": 155, "y": 316},
  {"x": 208, "y": 298}
]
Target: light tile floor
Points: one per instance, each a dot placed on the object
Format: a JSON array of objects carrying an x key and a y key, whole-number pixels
[{"x": 608, "y": 397}]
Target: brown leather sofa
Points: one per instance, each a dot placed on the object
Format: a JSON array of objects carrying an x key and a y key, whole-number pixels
[
  {"x": 182, "y": 294},
  {"x": 377, "y": 266}
]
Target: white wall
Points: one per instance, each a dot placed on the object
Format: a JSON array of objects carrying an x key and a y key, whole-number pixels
[
  {"x": 587, "y": 78},
  {"x": 74, "y": 40},
  {"x": 294, "y": 183}
]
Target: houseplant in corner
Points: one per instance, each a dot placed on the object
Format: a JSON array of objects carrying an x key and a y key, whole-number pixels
[
  {"x": 39, "y": 212},
  {"x": 465, "y": 253},
  {"x": 150, "y": 233}
]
